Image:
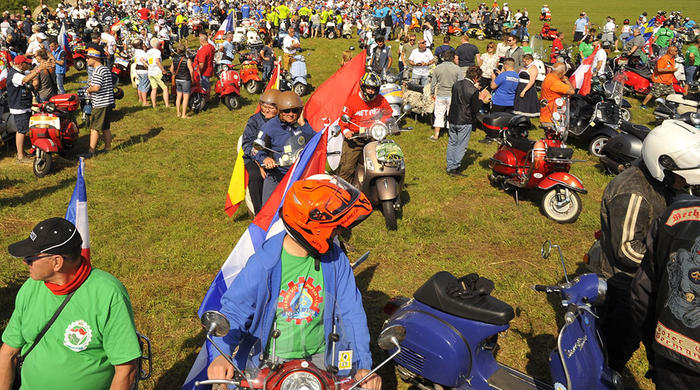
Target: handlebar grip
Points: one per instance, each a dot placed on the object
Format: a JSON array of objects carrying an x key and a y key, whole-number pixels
[{"x": 540, "y": 288}]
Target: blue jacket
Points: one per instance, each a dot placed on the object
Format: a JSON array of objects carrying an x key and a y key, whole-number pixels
[
  {"x": 252, "y": 128},
  {"x": 275, "y": 134},
  {"x": 251, "y": 301}
]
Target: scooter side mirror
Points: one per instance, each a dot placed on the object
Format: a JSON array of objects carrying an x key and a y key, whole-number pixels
[
  {"x": 345, "y": 118},
  {"x": 543, "y": 103},
  {"x": 215, "y": 323},
  {"x": 407, "y": 107},
  {"x": 660, "y": 101},
  {"x": 391, "y": 337},
  {"x": 335, "y": 130},
  {"x": 258, "y": 144},
  {"x": 546, "y": 249}
]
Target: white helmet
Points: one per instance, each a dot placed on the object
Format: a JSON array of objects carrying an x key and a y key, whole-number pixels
[{"x": 674, "y": 146}]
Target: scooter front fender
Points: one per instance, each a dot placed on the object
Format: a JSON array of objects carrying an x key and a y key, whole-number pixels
[
  {"x": 603, "y": 129},
  {"x": 387, "y": 188},
  {"x": 563, "y": 179},
  {"x": 45, "y": 144}
]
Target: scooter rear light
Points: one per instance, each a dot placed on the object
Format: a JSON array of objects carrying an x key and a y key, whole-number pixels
[
  {"x": 586, "y": 259},
  {"x": 598, "y": 234}
]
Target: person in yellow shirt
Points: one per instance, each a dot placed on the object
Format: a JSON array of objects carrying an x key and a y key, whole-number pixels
[
  {"x": 273, "y": 18},
  {"x": 283, "y": 11},
  {"x": 181, "y": 23},
  {"x": 324, "y": 20}
]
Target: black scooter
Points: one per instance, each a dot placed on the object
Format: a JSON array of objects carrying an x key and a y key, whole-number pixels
[
  {"x": 7, "y": 122},
  {"x": 621, "y": 150}
]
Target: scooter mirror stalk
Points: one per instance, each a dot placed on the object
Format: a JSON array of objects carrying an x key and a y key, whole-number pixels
[
  {"x": 345, "y": 118},
  {"x": 390, "y": 338},
  {"x": 216, "y": 324}
]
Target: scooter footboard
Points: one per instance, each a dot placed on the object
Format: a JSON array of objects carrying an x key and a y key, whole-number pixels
[
  {"x": 442, "y": 348},
  {"x": 563, "y": 179}
]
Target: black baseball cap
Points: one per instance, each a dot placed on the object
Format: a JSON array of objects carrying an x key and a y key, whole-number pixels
[{"x": 56, "y": 236}]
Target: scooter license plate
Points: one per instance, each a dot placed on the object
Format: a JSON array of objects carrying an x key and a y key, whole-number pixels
[{"x": 44, "y": 121}]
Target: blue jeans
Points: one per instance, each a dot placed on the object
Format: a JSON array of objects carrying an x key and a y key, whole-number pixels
[
  {"x": 59, "y": 83},
  {"x": 457, "y": 144},
  {"x": 690, "y": 72},
  {"x": 267, "y": 71}
]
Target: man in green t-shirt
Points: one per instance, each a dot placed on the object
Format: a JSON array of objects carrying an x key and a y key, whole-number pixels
[
  {"x": 92, "y": 344},
  {"x": 692, "y": 61},
  {"x": 664, "y": 36}
]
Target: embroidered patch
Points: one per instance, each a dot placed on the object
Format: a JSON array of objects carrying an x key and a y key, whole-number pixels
[
  {"x": 683, "y": 215},
  {"x": 77, "y": 336},
  {"x": 345, "y": 360}
]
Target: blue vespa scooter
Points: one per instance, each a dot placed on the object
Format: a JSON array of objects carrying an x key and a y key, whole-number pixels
[{"x": 451, "y": 339}]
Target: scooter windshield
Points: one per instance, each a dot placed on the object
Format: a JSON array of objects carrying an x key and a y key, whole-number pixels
[{"x": 615, "y": 88}]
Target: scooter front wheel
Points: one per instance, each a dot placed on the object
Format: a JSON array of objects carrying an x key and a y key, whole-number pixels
[
  {"x": 560, "y": 207},
  {"x": 43, "y": 163},
  {"x": 233, "y": 102},
  {"x": 389, "y": 214},
  {"x": 597, "y": 144},
  {"x": 252, "y": 86}
]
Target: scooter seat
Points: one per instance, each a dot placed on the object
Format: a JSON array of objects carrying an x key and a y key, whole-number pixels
[
  {"x": 482, "y": 308},
  {"x": 644, "y": 72},
  {"x": 560, "y": 153},
  {"x": 520, "y": 143},
  {"x": 639, "y": 131},
  {"x": 497, "y": 120}
]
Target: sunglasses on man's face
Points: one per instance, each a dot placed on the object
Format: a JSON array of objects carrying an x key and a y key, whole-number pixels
[
  {"x": 291, "y": 110},
  {"x": 31, "y": 259}
]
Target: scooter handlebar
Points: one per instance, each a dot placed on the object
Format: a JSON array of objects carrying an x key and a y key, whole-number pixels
[{"x": 540, "y": 288}]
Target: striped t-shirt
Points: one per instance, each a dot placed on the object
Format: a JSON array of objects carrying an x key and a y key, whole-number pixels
[{"x": 102, "y": 76}]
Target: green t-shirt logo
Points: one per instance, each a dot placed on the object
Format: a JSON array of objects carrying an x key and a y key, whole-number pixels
[
  {"x": 77, "y": 336},
  {"x": 301, "y": 301}
]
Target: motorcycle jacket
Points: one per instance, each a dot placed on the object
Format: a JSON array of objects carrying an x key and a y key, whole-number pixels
[
  {"x": 630, "y": 203},
  {"x": 665, "y": 292},
  {"x": 251, "y": 302},
  {"x": 250, "y": 133},
  {"x": 276, "y": 135},
  {"x": 363, "y": 113},
  {"x": 18, "y": 98}
]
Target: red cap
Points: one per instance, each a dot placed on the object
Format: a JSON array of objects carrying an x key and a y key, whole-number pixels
[{"x": 20, "y": 59}]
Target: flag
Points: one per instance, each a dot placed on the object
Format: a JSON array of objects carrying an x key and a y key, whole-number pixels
[
  {"x": 581, "y": 79},
  {"x": 77, "y": 210},
  {"x": 227, "y": 26},
  {"x": 326, "y": 103},
  {"x": 239, "y": 182},
  {"x": 328, "y": 100},
  {"x": 63, "y": 43},
  {"x": 647, "y": 29}
]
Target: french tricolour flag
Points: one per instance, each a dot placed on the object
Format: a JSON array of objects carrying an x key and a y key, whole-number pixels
[
  {"x": 226, "y": 26},
  {"x": 77, "y": 210},
  {"x": 63, "y": 42}
]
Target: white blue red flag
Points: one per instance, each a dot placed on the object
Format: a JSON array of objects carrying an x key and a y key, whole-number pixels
[
  {"x": 226, "y": 26},
  {"x": 77, "y": 210},
  {"x": 64, "y": 44}
]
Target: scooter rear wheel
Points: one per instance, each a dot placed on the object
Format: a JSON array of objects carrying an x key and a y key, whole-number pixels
[
  {"x": 389, "y": 214},
  {"x": 252, "y": 86},
  {"x": 561, "y": 213},
  {"x": 80, "y": 64},
  {"x": 233, "y": 102},
  {"x": 596, "y": 146},
  {"x": 299, "y": 89},
  {"x": 43, "y": 163}
]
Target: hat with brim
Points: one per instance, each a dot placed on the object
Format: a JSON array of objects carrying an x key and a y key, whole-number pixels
[
  {"x": 94, "y": 53},
  {"x": 55, "y": 236},
  {"x": 21, "y": 59}
]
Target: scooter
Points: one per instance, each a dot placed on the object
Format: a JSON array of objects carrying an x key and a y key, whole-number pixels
[
  {"x": 476, "y": 32},
  {"x": 330, "y": 32},
  {"x": 672, "y": 106},
  {"x": 381, "y": 172},
  {"x": 228, "y": 87},
  {"x": 7, "y": 122},
  {"x": 304, "y": 29},
  {"x": 452, "y": 336},
  {"x": 546, "y": 15},
  {"x": 52, "y": 130},
  {"x": 347, "y": 30},
  {"x": 493, "y": 29},
  {"x": 296, "y": 78},
  {"x": 393, "y": 92},
  {"x": 250, "y": 72},
  {"x": 520, "y": 163},
  {"x": 121, "y": 67},
  {"x": 549, "y": 33},
  {"x": 198, "y": 95},
  {"x": 79, "y": 57},
  {"x": 638, "y": 80},
  {"x": 621, "y": 150},
  {"x": 596, "y": 117}
]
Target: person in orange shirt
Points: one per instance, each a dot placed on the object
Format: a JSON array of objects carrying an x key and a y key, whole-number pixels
[
  {"x": 554, "y": 86},
  {"x": 662, "y": 78}
]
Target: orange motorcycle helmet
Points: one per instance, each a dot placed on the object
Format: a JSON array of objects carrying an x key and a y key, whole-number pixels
[{"x": 317, "y": 208}]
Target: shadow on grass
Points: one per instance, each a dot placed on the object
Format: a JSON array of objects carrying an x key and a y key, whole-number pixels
[
  {"x": 7, "y": 300},
  {"x": 175, "y": 376},
  {"x": 6, "y": 182},
  {"x": 373, "y": 302},
  {"x": 122, "y": 112},
  {"x": 470, "y": 156},
  {"x": 36, "y": 194},
  {"x": 139, "y": 138}
]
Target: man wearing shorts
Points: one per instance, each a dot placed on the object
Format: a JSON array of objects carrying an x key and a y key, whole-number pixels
[
  {"x": 662, "y": 78},
  {"x": 20, "y": 98},
  {"x": 101, "y": 93}
]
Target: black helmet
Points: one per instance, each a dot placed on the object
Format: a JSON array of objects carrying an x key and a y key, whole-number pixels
[{"x": 371, "y": 80}]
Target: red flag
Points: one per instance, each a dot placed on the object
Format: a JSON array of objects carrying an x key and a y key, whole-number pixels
[
  {"x": 326, "y": 103},
  {"x": 581, "y": 79}
]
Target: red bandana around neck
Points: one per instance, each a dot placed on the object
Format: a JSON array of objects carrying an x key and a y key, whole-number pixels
[{"x": 80, "y": 276}]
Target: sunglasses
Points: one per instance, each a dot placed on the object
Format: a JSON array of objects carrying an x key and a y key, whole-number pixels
[
  {"x": 30, "y": 259},
  {"x": 291, "y": 110}
]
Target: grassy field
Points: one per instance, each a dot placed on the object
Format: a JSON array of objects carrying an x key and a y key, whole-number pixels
[{"x": 157, "y": 221}]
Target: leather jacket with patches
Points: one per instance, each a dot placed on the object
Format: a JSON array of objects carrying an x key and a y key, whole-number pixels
[{"x": 665, "y": 291}]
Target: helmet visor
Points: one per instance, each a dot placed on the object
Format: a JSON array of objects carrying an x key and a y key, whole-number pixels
[{"x": 339, "y": 207}]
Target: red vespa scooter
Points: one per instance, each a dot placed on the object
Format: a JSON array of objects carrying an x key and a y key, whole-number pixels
[
  {"x": 228, "y": 87},
  {"x": 53, "y": 130},
  {"x": 250, "y": 73},
  {"x": 520, "y": 163}
]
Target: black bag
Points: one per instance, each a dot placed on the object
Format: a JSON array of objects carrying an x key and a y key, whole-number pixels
[{"x": 20, "y": 359}]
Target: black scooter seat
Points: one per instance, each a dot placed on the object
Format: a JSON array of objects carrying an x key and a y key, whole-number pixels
[
  {"x": 560, "y": 153},
  {"x": 496, "y": 120},
  {"x": 639, "y": 131},
  {"x": 644, "y": 72},
  {"x": 483, "y": 308},
  {"x": 520, "y": 143}
]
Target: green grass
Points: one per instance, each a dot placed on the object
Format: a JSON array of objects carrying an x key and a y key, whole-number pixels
[{"x": 157, "y": 221}]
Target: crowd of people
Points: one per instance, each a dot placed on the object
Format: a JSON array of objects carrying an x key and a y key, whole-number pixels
[{"x": 462, "y": 81}]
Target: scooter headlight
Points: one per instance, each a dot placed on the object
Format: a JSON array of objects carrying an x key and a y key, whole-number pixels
[
  {"x": 301, "y": 380},
  {"x": 379, "y": 131}
]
